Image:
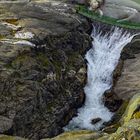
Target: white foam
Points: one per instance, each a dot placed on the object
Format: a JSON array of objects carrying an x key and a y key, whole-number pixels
[
  {"x": 102, "y": 59},
  {"x": 24, "y": 35}
]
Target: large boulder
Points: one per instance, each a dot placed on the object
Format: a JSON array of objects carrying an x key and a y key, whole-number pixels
[
  {"x": 77, "y": 135},
  {"x": 42, "y": 67},
  {"x": 128, "y": 84}
]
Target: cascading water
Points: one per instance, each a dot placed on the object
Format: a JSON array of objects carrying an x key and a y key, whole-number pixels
[{"x": 102, "y": 60}]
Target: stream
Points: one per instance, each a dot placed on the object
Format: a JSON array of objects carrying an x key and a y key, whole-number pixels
[{"x": 102, "y": 60}]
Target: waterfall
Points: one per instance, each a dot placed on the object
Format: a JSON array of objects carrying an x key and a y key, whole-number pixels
[{"x": 102, "y": 59}]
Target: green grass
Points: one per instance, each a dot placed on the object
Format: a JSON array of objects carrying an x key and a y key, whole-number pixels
[
  {"x": 138, "y": 1},
  {"x": 108, "y": 20}
]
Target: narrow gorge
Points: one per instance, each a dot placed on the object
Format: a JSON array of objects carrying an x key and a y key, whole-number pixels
[{"x": 102, "y": 60}]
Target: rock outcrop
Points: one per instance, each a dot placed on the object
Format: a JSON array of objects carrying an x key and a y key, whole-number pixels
[
  {"x": 129, "y": 127},
  {"x": 128, "y": 84},
  {"x": 43, "y": 72},
  {"x": 125, "y": 77},
  {"x": 42, "y": 67},
  {"x": 128, "y": 130}
]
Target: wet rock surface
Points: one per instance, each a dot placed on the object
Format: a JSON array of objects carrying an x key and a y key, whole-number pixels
[
  {"x": 42, "y": 66},
  {"x": 125, "y": 86},
  {"x": 129, "y": 127},
  {"x": 125, "y": 77},
  {"x": 128, "y": 84},
  {"x": 96, "y": 120}
]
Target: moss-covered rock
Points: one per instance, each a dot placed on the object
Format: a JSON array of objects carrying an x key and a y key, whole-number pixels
[
  {"x": 4, "y": 137},
  {"x": 132, "y": 110},
  {"x": 129, "y": 127},
  {"x": 77, "y": 135},
  {"x": 42, "y": 67}
]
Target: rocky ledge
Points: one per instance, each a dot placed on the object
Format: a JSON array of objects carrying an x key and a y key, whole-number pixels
[
  {"x": 42, "y": 67},
  {"x": 129, "y": 129},
  {"x": 126, "y": 76},
  {"x": 124, "y": 95}
]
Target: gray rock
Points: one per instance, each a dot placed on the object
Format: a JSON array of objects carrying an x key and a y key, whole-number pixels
[
  {"x": 5, "y": 124},
  {"x": 37, "y": 97}
]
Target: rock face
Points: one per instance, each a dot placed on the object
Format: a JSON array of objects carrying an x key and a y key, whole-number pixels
[
  {"x": 77, "y": 135},
  {"x": 126, "y": 77},
  {"x": 129, "y": 129},
  {"x": 42, "y": 68},
  {"x": 129, "y": 82}
]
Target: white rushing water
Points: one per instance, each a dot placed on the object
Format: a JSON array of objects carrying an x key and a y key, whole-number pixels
[{"x": 102, "y": 59}]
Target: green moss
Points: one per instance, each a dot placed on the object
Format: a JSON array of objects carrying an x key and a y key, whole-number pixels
[
  {"x": 58, "y": 68},
  {"x": 108, "y": 20},
  {"x": 12, "y": 21},
  {"x": 20, "y": 58},
  {"x": 2, "y": 37},
  {"x": 129, "y": 130},
  {"x": 77, "y": 135},
  {"x": 4, "y": 137},
  {"x": 45, "y": 62},
  {"x": 121, "y": 110},
  {"x": 43, "y": 59},
  {"x": 20, "y": 87},
  {"x": 19, "y": 61},
  {"x": 136, "y": 115},
  {"x": 50, "y": 107},
  {"x": 116, "y": 123},
  {"x": 8, "y": 66},
  {"x": 131, "y": 109},
  {"x": 23, "y": 60},
  {"x": 112, "y": 128},
  {"x": 138, "y": 1},
  {"x": 72, "y": 59}
]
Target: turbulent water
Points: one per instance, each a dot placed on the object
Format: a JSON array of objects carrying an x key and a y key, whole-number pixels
[{"x": 102, "y": 59}]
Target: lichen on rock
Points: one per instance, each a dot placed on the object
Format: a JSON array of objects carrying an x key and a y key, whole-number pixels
[{"x": 39, "y": 93}]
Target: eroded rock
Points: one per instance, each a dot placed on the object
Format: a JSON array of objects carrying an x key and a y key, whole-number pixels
[
  {"x": 128, "y": 84},
  {"x": 41, "y": 85}
]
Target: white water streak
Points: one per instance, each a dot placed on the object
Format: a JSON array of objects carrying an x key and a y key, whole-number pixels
[{"x": 102, "y": 60}]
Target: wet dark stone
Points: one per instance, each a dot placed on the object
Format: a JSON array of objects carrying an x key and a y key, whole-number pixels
[{"x": 96, "y": 120}]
